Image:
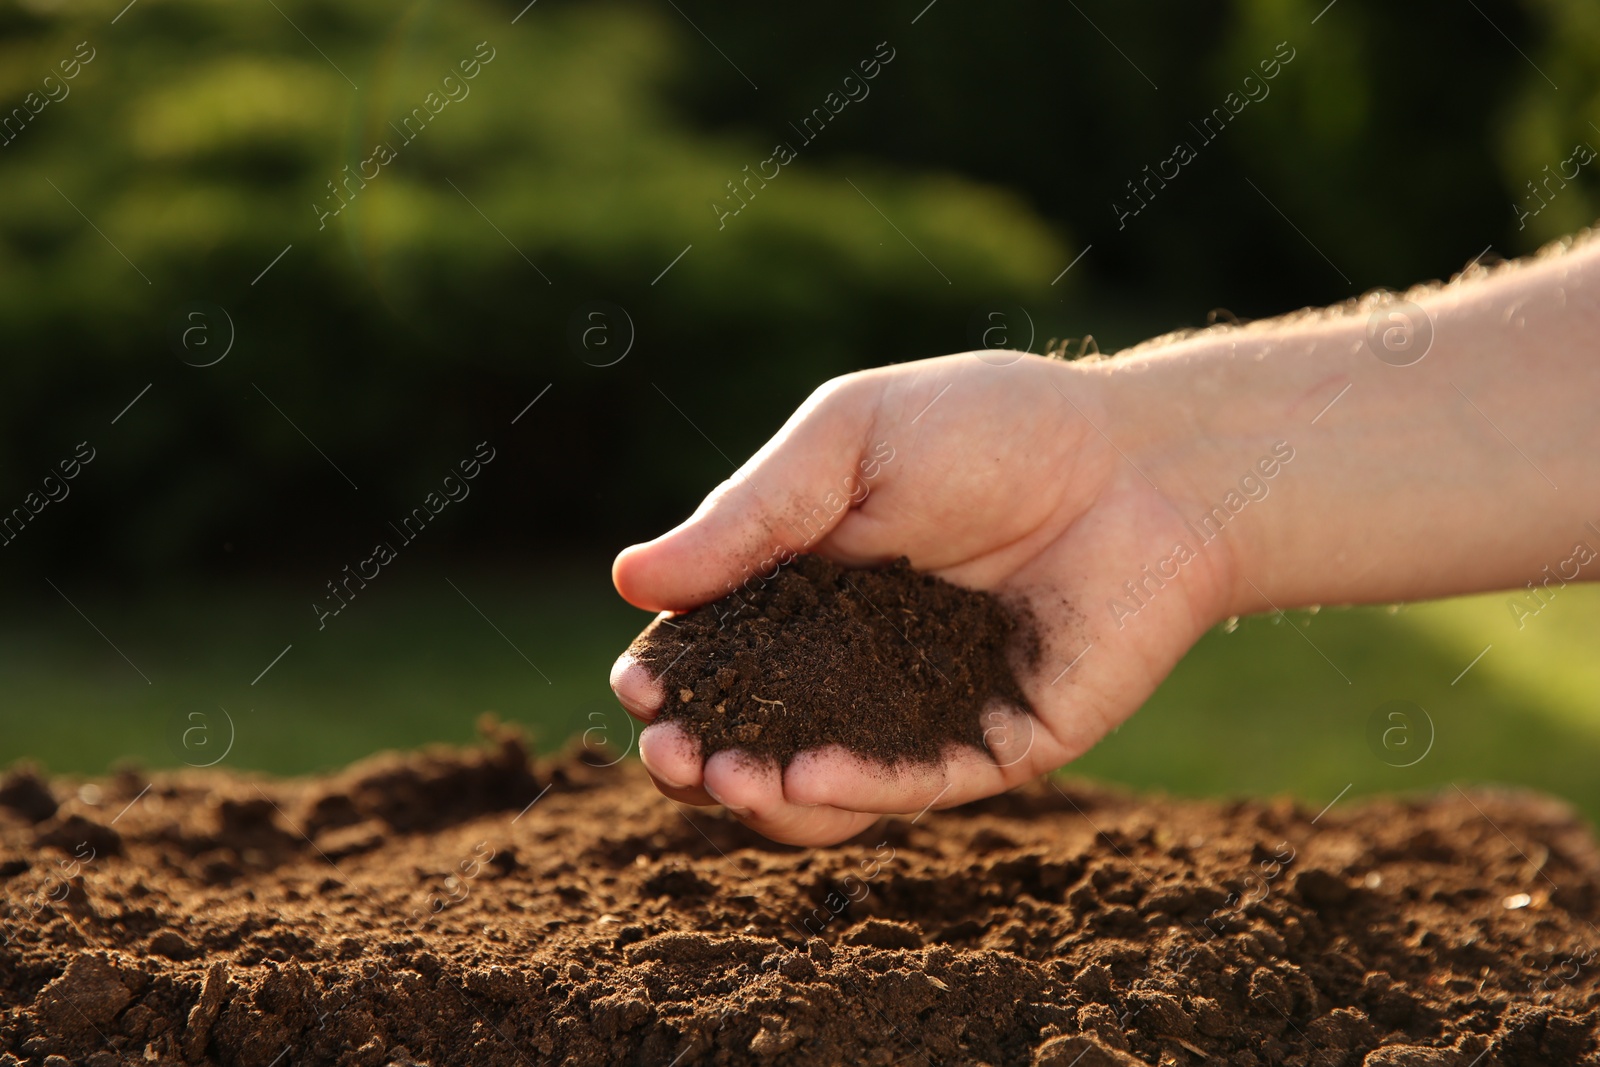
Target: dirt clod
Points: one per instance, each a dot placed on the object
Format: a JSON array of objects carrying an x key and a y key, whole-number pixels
[
  {"x": 881, "y": 933},
  {"x": 203, "y": 1016},
  {"x": 172, "y": 945},
  {"x": 891, "y": 663},
  {"x": 84, "y": 838},
  {"x": 24, "y": 792},
  {"x": 1066, "y": 940},
  {"x": 1081, "y": 1051},
  {"x": 88, "y": 995}
]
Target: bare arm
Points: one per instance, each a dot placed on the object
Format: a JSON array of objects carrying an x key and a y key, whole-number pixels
[{"x": 1470, "y": 469}]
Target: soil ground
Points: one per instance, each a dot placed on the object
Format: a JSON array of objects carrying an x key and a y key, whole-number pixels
[{"x": 472, "y": 907}]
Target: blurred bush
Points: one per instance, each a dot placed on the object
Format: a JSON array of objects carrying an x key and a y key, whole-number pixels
[{"x": 586, "y": 155}]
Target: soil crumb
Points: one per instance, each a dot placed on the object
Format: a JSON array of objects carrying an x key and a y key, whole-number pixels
[
  {"x": 270, "y": 923},
  {"x": 890, "y": 663}
]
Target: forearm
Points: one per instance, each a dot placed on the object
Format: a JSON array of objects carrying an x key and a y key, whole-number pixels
[{"x": 1471, "y": 469}]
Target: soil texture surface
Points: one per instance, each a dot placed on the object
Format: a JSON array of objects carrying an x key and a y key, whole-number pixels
[
  {"x": 891, "y": 663},
  {"x": 474, "y": 907}
]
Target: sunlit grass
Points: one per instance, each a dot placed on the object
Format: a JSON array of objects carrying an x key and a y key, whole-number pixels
[
  {"x": 1285, "y": 704},
  {"x": 1277, "y": 706}
]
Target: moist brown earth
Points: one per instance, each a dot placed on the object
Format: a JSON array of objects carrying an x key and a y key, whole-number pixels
[
  {"x": 891, "y": 663},
  {"x": 417, "y": 909}
]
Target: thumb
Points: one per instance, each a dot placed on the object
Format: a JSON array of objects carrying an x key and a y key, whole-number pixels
[{"x": 784, "y": 500}]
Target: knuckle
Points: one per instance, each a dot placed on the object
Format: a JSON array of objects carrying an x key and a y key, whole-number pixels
[{"x": 834, "y": 389}]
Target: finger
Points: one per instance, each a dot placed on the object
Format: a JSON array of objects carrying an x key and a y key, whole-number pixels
[
  {"x": 637, "y": 690},
  {"x": 753, "y": 790},
  {"x": 1016, "y": 742},
  {"x": 671, "y": 755},
  {"x": 784, "y": 499},
  {"x": 696, "y": 796},
  {"x": 833, "y": 776}
]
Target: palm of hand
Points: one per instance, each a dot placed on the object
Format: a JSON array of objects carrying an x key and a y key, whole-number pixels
[{"x": 1000, "y": 478}]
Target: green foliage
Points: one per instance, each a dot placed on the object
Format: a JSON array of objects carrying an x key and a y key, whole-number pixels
[
  {"x": 203, "y": 139},
  {"x": 1255, "y": 711}
]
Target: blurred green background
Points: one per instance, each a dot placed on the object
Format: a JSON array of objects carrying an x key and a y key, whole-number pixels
[{"x": 341, "y": 365}]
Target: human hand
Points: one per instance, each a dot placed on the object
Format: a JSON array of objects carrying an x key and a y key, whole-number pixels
[
  {"x": 1126, "y": 501},
  {"x": 1000, "y": 479}
]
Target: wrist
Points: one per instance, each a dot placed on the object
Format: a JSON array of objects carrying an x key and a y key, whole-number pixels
[{"x": 1215, "y": 421}]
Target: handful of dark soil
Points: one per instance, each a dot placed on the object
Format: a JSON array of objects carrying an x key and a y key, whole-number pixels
[{"x": 893, "y": 664}]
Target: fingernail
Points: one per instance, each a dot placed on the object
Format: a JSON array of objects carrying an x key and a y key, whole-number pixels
[
  {"x": 636, "y": 690},
  {"x": 636, "y": 709},
  {"x": 660, "y": 778},
  {"x": 742, "y": 813}
]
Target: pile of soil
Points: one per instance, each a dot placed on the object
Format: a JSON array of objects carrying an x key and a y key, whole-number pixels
[
  {"x": 891, "y": 663},
  {"x": 468, "y": 907}
]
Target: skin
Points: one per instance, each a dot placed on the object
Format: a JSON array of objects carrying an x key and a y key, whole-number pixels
[{"x": 1470, "y": 469}]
